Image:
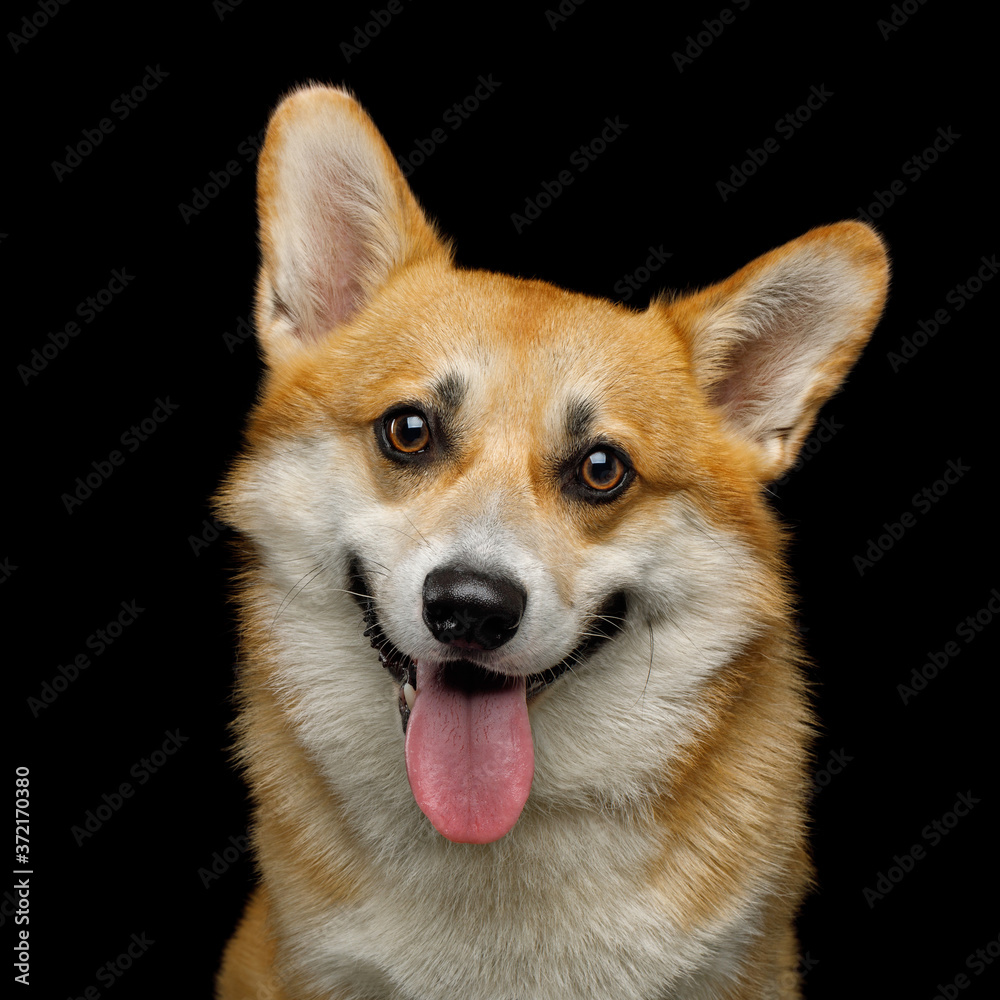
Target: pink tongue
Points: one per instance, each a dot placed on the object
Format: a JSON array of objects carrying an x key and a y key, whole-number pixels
[{"x": 469, "y": 756}]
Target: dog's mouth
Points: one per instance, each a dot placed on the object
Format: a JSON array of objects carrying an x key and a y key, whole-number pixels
[
  {"x": 468, "y": 742},
  {"x": 468, "y": 676}
]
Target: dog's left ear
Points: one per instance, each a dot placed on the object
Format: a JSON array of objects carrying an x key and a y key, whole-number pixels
[
  {"x": 337, "y": 218},
  {"x": 771, "y": 344}
]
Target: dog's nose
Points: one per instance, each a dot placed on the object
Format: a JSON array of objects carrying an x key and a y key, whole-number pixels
[{"x": 470, "y": 609}]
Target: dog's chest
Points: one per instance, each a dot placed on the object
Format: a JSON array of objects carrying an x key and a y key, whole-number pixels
[{"x": 565, "y": 927}]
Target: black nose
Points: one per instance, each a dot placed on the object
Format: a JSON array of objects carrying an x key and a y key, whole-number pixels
[{"x": 472, "y": 609}]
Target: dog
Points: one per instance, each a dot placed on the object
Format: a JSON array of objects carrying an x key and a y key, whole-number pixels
[{"x": 521, "y": 704}]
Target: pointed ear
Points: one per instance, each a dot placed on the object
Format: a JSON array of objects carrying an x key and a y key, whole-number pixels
[
  {"x": 771, "y": 344},
  {"x": 336, "y": 218}
]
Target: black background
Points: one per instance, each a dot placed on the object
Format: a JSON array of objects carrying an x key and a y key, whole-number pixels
[{"x": 893, "y": 90}]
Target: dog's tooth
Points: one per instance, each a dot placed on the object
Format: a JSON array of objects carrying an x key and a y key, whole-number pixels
[{"x": 410, "y": 694}]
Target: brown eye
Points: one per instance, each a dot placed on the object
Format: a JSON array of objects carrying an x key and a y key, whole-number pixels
[
  {"x": 602, "y": 470},
  {"x": 408, "y": 433}
]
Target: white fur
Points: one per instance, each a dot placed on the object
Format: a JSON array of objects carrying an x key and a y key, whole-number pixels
[{"x": 602, "y": 736}]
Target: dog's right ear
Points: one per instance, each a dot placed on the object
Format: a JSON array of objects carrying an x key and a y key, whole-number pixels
[
  {"x": 773, "y": 342},
  {"x": 336, "y": 219}
]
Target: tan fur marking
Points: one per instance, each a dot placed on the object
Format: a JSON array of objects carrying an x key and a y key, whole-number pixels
[
  {"x": 730, "y": 814},
  {"x": 247, "y": 971}
]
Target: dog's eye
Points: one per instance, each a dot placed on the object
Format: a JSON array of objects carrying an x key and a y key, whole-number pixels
[
  {"x": 602, "y": 470},
  {"x": 408, "y": 432}
]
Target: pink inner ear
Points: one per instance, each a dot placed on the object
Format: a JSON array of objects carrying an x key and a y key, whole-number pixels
[
  {"x": 326, "y": 287},
  {"x": 759, "y": 372}
]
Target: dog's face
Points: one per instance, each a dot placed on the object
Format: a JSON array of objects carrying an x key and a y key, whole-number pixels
[{"x": 542, "y": 510}]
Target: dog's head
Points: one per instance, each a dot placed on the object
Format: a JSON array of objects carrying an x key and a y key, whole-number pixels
[{"x": 543, "y": 511}]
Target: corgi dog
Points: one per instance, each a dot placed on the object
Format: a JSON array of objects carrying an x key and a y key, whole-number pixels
[{"x": 522, "y": 708}]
